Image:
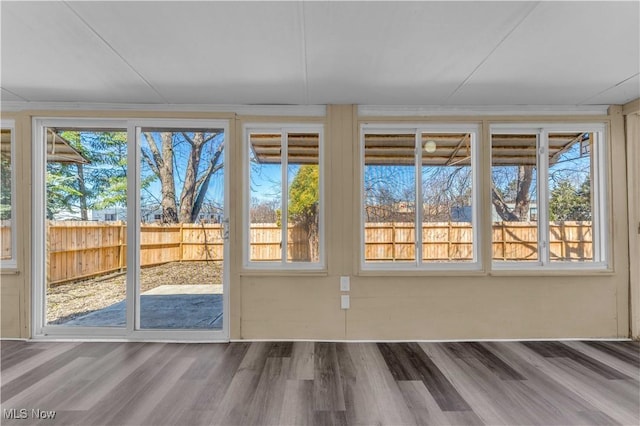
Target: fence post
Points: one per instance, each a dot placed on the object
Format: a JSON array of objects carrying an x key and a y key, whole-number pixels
[
  {"x": 563, "y": 237},
  {"x": 449, "y": 241},
  {"x": 393, "y": 241},
  {"x": 120, "y": 247},
  {"x": 181, "y": 249},
  {"x": 504, "y": 242}
]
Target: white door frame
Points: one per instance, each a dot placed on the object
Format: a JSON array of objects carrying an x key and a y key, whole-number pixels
[
  {"x": 633, "y": 176},
  {"x": 40, "y": 330}
]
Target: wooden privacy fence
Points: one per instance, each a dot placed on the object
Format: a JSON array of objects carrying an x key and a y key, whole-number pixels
[
  {"x": 78, "y": 249},
  {"x": 265, "y": 244},
  {"x": 443, "y": 241},
  {"x": 5, "y": 239}
]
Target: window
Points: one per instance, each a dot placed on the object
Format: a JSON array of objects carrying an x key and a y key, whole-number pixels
[
  {"x": 418, "y": 192},
  {"x": 284, "y": 227},
  {"x": 547, "y": 194},
  {"x": 7, "y": 196}
]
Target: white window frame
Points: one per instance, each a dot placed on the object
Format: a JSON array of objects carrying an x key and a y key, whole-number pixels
[
  {"x": 12, "y": 263},
  {"x": 418, "y": 264},
  {"x": 284, "y": 130},
  {"x": 599, "y": 179}
]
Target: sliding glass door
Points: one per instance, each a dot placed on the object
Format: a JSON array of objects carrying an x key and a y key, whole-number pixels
[{"x": 130, "y": 230}]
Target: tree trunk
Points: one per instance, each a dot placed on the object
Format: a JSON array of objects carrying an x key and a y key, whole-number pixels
[
  {"x": 520, "y": 211},
  {"x": 188, "y": 196},
  {"x": 168, "y": 203},
  {"x": 312, "y": 232},
  {"x": 525, "y": 178},
  {"x": 82, "y": 188},
  {"x": 204, "y": 185}
]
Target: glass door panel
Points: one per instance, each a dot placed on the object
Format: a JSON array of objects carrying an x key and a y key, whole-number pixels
[
  {"x": 85, "y": 227},
  {"x": 182, "y": 228}
]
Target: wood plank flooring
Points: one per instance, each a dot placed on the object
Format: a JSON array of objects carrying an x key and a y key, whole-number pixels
[{"x": 319, "y": 383}]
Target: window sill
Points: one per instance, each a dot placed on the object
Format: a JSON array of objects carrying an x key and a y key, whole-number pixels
[
  {"x": 440, "y": 270},
  {"x": 549, "y": 272},
  {"x": 247, "y": 272}
]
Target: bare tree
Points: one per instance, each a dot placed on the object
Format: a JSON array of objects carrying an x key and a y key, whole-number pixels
[
  {"x": 162, "y": 163},
  {"x": 522, "y": 198},
  {"x": 264, "y": 211}
]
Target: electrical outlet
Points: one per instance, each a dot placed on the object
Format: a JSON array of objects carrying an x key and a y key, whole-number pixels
[
  {"x": 344, "y": 301},
  {"x": 345, "y": 284}
]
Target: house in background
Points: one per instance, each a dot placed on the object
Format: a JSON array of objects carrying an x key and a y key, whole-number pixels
[{"x": 109, "y": 215}]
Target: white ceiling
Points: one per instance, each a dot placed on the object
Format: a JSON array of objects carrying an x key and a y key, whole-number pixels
[{"x": 386, "y": 53}]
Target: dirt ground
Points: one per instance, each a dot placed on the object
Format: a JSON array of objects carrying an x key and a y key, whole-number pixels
[{"x": 73, "y": 299}]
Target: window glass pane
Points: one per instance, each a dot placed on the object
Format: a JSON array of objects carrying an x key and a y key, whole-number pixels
[
  {"x": 389, "y": 197},
  {"x": 265, "y": 201},
  {"x": 447, "y": 188},
  {"x": 6, "y": 230},
  {"x": 513, "y": 197},
  {"x": 86, "y": 250},
  {"x": 303, "y": 197},
  {"x": 570, "y": 196}
]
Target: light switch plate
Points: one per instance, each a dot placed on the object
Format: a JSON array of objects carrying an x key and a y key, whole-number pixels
[
  {"x": 345, "y": 284},
  {"x": 344, "y": 301}
]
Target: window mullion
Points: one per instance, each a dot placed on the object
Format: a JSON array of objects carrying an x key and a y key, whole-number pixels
[
  {"x": 418, "y": 198},
  {"x": 543, "y": 198},
  {"x": 598, "y": 197},
  {"x": 595, "y": 241},
  {"x": 284, "y": 144},
  {"x": 133, "y": 229}
]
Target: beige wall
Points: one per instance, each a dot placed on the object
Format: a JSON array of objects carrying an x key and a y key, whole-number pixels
[
  {"x": 14, "y": 283},
  {"x": 383, "y": 306}
]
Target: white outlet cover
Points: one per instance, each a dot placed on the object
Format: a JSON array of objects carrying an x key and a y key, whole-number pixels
[
  {"x": 344, "y": 301},
  {"x": 345, "y": 284}
]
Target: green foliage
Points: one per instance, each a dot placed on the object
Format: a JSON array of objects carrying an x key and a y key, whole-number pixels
[
  {"x": 304, "y": 195},
  {"x": 570, "y": 203},
  {"x": 62, "y": 192},
  {"x": 105, "y": 177},
  {"x": 279, "y": 218}
]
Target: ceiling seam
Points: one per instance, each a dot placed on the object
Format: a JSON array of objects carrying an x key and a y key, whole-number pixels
[
  {"x": 303, "y": 31},
  {"x": 15, "y": 94},
  {"x": 609, "y": 88},
  {"x": 486, "y": 58},
  {"x": 93, "y": 30}
]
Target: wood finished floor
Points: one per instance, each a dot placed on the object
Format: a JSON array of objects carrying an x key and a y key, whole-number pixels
[{"x": 511, "y": 383}]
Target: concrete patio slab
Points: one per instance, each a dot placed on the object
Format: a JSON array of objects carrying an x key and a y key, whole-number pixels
[
  {"x": 165, "y": 307},
  {"x": 186, "y": 289}
]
